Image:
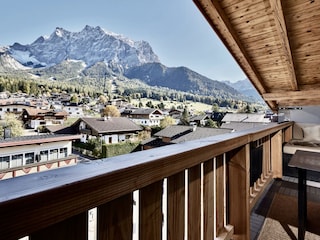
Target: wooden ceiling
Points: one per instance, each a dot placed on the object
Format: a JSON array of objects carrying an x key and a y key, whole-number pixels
[{"x": 276, "y": 43}]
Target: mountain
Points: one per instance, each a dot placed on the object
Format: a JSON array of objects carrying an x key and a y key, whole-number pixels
[
  {"x": 180, "y": 78},
  {"x": 94, "y": 53},
  {"x": 90, "y": 45},
  {"x": 246, "y": 88},
  {"x": 8, "y": 63}
]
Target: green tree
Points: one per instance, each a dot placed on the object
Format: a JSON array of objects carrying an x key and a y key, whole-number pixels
[
  {"x": 74, "y": 98},
  {"x": 215, "y": 107},
  {"x": 210, "y": 123}
]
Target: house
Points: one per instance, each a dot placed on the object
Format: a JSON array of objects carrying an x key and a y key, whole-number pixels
[
  {"x": 110, "y": 129},
  {"x": 199, "y": 120},
  {"x": 34, "y": 118},
  {"x": 179, "y": 134},
  {"x": 241, "y": 121},
  {"x": 73, "y": 110},
  {"x": 15, "y": 108},
  {"x": 29, "y": 154},
  {"x": 144, "y": 116}
]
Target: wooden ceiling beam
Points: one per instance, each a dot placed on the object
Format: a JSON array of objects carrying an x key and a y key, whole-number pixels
[
  {"x": 291, "y": 103},
  {"x": 217, "y": 19},
  {"x": 289, "y": 95},
  {"x": 277, "y": 13}
]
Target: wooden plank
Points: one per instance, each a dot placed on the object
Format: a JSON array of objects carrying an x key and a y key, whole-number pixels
[
  {"x": 299, "y": 102},
  {"x": 276, "y": 154},
  {"x": 283, "y": 37},
  {"x": 220, "y": 22},
  {"x": 150, "y": 212},
  {"x": 114, "y": 219},
  {"x": 194, "y": 202},
  {"x": 176, "y": 206},
  {"x": 30, "y": 203},
  {"x": 239, "y": 183},
  {"x": 220, "y": 188},
  {"x": 288, "y": 132},
  {"x": 208, "y": 200},
  {"x": 74, "y": 228},
  {"x": 307, "y": 94},
  {"x": 236, "y": 7}
]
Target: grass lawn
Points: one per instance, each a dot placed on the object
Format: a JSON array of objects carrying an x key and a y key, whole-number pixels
[{"x": 192, "y": 106}]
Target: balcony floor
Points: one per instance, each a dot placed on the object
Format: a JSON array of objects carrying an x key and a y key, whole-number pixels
[{"x": 279, "y": 208}]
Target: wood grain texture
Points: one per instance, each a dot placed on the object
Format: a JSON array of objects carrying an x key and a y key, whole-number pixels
[
  {"x": 194, "y": 202},
  {"x": 176, "y": 206},
  {"x": 276, "y": 154},
  {"x": 239, "y": 183},
  {"x": 208, "y": 200},
  {"x": 36, "y": 201},
  {"x": 74, "y": 228},
  {"x": 115, "y": 219},
  {"x": 276, "y": 43},
  {"x": 150, "y": 212}
]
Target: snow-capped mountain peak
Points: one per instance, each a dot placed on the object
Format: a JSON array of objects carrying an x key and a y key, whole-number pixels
[{"x": 91, "y": 45}]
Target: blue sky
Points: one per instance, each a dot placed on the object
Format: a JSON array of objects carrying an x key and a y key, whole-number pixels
[{"x": 175, "y": 29}]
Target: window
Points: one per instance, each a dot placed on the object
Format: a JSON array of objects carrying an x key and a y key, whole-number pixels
[
  {"x": 4, "y": 162},
  {"x": 54, "y": 154},
  {"x": 63, "y": 152},
  {"x": 44, "y": 156},
  {"x": 29, "y": 158},
  {"x": 16, "y": 160}
]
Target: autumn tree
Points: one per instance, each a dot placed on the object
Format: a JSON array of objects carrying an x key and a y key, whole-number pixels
[
  {"x": 12, "y": 123},
  {"x": 185, "y": 117},
  {"x": 167, "y": 121},
  {"x": 103, "y": 99},
  {"x": 111, "y": 111}
]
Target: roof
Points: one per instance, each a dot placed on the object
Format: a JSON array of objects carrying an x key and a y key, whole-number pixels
[
  {"x": 199, "y": 117},
  {"x": 36, "y": 112},
  {"x": 276, "y": 43},
  {"x": 245, "y": 117},
  {"x": 36, "y": 139},
  {"x": 145, "y": 111},
  {"x": 238, "y": 126},
  {"x": 180, "y": 133},
  {"x": 111, "y": 124}
]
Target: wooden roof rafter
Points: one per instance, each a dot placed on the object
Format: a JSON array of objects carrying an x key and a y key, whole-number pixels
[
  {"x": 215, "y": 16},
  {"x": 283, "y": 36},
  {"x": 275, "y": 42}
]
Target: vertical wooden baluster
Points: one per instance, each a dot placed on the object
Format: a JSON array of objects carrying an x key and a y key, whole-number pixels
[
  {"x": 150, "y": 215},
  {"x": 74, "y": 228},
  {"x": 219, "y": 195},
  {"x": 114, "y": 219},
  {"x": 266, "y": 157},
  {"x": 194, "y": 202},
  {"x": 276, "y": 154},
  {"x": 239, "y": 183},
  {"x": 208, "y": 200},
  {"x": 176, "y": 206}
]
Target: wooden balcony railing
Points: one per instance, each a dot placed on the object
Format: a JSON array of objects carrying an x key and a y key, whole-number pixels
[{"x": 207, "y": 191}]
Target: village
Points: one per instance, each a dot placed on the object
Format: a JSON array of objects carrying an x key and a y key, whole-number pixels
[{"x": 59, "y": 132}]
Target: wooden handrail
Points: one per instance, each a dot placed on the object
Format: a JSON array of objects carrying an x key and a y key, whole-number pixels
[{"x": 36, "y": 201}]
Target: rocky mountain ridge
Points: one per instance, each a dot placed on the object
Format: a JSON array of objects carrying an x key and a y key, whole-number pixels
[{"x": 96, "y": 53}]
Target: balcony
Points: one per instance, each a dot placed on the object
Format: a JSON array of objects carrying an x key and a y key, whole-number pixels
[{"x": 196, "y": 190}]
